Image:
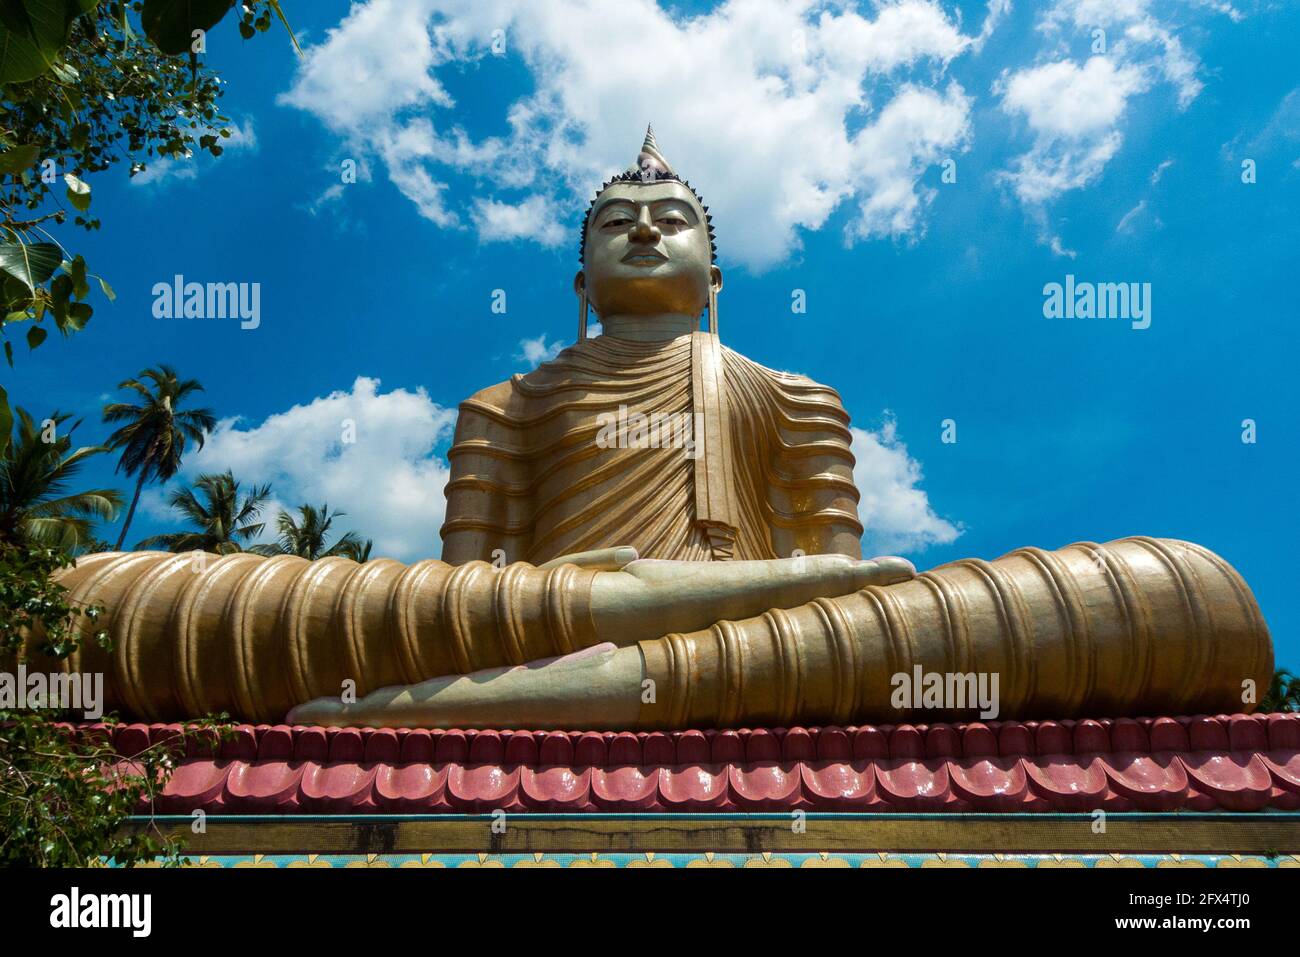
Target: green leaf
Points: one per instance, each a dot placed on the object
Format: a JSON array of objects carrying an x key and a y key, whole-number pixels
[
  {"x": 32, "y": 32},
  {"x": 32, "y": 263},
  {"x": 77, "y": 270},
  {"x": 275, "y": 5},
  {"x": 35, "y": 336},
  {"x": 6, "y": 418},
  {"x": 60, "y": 298},
  {"x": 9, "y": 353},
  {"x": 20, "y": 158},
  {"x": 78, "y": 315},
  {"x": 170, "y": 24},
  {"x": 108, "y": 290},
  {"x": 65, "y": 72},
  {"x": 78, "y": 192}
]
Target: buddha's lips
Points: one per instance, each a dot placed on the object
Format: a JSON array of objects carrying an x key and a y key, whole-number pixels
[{"x": 647, "y": 256}]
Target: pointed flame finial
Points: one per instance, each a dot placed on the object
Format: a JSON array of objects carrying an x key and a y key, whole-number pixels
[{"x": 650, "y": 160}]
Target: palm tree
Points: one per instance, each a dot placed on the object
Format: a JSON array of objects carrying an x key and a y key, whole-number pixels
[
  {"x": 306, "y": 538},
  {"x": 35, "y": 471},
  {"x": 154, "y": 436},
  {"x": 225, "y": 522},
  {"x": 1283, "y": 693}
]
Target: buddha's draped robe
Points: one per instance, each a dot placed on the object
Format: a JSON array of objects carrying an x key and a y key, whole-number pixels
[{"x": 771, "y": 477}]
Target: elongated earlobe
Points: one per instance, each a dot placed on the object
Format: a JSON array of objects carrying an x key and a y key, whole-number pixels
[
  {"x": 715, "y": 287},
  {"x": 580, "y": 287}
]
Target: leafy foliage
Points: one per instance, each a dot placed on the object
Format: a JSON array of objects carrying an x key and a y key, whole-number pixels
[
  {"x": 306, "y": 536},
  {"x": 65, "y": 793},
  {"x": 1283, "y": 693},
  {"x": 36, "y": 469},
  {"x": 225, "y": 520},
  {"x": 33, "y": 604},
  {"x": 156, "y": 430},
  {"x": 33, "y": 32},
  {"x": 85, "y": 84}
]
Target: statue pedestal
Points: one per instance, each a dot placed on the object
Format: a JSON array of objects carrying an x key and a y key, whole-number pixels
[{"x": 1120, "y": 792}]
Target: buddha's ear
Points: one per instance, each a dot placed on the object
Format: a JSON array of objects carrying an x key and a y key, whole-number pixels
[
  {"x": 715, "y": 278},
  {"x": 579, "y": 282}
]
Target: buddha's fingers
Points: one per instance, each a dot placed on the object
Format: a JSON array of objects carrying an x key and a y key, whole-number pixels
[
  {"x": 600, "y": 559},
  {"x": 598, "y": 687},
  {"x": 649, "y": 598}
]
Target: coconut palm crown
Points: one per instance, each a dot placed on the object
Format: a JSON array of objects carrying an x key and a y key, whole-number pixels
[
  {"x": 224, "y": 522},
  {"x": 156, "y": 430},
  {"x": 36, "y": 471}
]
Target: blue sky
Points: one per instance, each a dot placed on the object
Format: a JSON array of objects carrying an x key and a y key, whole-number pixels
[{"x": 819, "y": 134}]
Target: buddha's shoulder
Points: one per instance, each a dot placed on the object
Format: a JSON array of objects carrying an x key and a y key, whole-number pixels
[
  {"x": 494, "y": 397},
  {"x": 792, "y": 382},
  {"x": 579, "y": 362},
  {"x": 510, "y": 395}
]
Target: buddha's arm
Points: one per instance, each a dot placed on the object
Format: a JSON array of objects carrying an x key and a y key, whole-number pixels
[
  {"x": 255, "y": 636},
  {"x": 1138, "y": 626}
]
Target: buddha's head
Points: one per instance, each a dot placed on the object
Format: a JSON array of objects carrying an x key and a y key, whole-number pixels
[{"x": 647, "y": 244}]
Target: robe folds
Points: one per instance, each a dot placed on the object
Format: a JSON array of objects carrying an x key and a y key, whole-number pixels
[{"x": 767, "y": 471}]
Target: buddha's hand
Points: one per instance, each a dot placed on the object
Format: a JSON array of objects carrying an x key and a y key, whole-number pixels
[
  {"x": 648, "y": 598},
  {"x": 602, "y": 685}
]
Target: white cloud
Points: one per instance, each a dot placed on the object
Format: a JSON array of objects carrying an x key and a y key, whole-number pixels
[
  {"x": 536, "y": 351},
  {"x": 1159, "y": 171},
  {"x": 165, "y": 169},
  {"x": 1064, "y": 100},
  {"x": 1126, "y": 223},
  {"x": 1075, "y": 112},
  {"x": 387, "y": 51},
  {"x": 1134, "y": 34},
  {"x": 1280, "y": 133},
  {"x": 780, "y": 111},
  {"x": 895, "y": 512},
  {"x": 534, "y": 219},
  {"x": 389, "y": 481}
]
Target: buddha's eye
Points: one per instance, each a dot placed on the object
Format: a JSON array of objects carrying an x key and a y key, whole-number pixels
[
  {"x": 672, "y": 221},
  {"x": 617, "y": 221}
]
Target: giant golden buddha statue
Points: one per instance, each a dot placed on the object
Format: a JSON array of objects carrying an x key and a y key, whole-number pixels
[{"x": 652, "y": 531}]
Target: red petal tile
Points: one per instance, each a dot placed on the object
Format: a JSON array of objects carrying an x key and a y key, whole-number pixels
[
  {"x": 483, "y": 788},
  {"x": 694, "y": 787},
  {"x": 842, "y": 785},
  {"x": 410, "y": 788},
  {"x": 1155, "y": 782},
  {"x": 989, "y": 784},
  {"x": 913, "y": 785},
  {"x": 263, "y": 787},
  {"x": 1068, "y": 783},
  {"x": 768, "y": 786},
  {"x": 625, "y": 788},
  {"x": 336, "y": 787},
  {"x": 556, "y": 788},
  {"x": 1237, "y": 781}
]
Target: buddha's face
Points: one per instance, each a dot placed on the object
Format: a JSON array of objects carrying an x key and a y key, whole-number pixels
[{"x": 647, "y": 252}]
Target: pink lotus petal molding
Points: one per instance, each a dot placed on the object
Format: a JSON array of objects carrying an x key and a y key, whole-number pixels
[{"x": 1203, "y": 762}]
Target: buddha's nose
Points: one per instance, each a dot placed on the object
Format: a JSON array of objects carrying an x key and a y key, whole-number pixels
[{"x": 645, "y": 231}]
